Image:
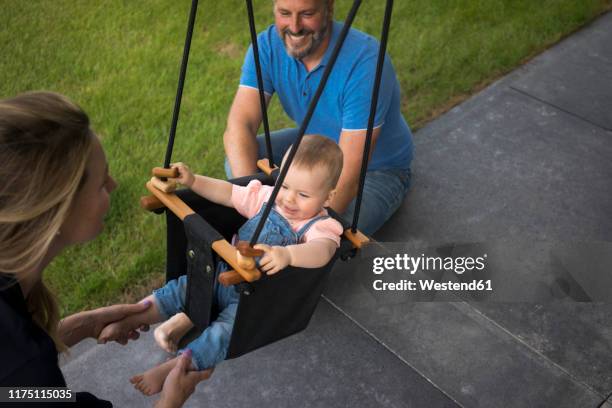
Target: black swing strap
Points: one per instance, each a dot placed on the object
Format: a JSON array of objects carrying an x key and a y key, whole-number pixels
[
  {"x": 181, "y": 83},
  {"x": 262, "y": 97},
  {"x": 311, "y": 108},
  {"x": 376, "y": 87}
]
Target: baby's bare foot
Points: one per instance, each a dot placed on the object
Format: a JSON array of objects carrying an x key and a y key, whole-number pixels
[
  {"x": 151, "y": 381},
  {"x": 169, "y": 334}
]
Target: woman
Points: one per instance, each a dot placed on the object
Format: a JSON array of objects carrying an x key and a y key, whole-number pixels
[{"x": 54, "y": 193}]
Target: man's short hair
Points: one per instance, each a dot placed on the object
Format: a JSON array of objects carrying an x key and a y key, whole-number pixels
[
  {"x": 325, "y": 2},
  {"x": 317, "y": 150}
]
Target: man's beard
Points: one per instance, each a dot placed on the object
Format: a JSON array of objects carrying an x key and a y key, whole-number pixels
[{"x": 316, "y": 39}]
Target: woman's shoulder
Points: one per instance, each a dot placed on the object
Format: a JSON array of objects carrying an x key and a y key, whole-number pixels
[{"x": 27, "y": 353}]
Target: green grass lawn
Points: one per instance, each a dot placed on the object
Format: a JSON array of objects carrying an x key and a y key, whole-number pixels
[{"x": 119, "y": 59}]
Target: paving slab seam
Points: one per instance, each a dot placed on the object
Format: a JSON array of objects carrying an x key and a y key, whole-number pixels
[
  {"x": 469, "y": 310},
  {"x": 552, "y": 105},
  {"x": 398, "y": 356},
  {"x": 602, "y": 404}
]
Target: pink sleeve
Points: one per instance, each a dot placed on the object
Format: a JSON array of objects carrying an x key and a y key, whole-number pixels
[
  {"x": 327, "y": 228},
  {"x": 248, "y": 200}
]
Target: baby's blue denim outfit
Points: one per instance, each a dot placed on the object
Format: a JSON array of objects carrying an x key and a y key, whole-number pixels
[{"x": 211, "y": 346}]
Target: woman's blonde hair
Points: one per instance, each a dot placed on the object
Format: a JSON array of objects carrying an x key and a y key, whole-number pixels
[{"x": 45, "y": 142}]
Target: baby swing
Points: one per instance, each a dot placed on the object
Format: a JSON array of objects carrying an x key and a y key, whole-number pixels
[{"x": 198, "y": 231}]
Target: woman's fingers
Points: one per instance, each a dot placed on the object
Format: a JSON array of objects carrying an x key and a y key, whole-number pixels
[
  {"x": 113, "y": 313},
  {"x": 133, "y": 335},
  {"x": 184, "y": 361},
  {"x": 202, "y": 375}
]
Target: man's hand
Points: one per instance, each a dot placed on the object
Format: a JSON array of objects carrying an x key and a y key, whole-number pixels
[
  {"x": 181, "y": 383},
  {"x": 275, "y": 258}
]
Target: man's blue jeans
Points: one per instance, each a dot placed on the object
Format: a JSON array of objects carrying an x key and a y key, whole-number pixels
[{"x": 383, "y": 192}]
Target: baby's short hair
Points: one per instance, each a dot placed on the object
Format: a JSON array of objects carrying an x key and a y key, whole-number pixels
[{"x": 317, "y": 150}]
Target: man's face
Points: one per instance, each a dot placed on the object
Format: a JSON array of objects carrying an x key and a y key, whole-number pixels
[{"x": 302, "y": 24}]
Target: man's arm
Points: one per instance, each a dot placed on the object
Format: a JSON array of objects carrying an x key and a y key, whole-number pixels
[
  {"x": 352, "y": 144},
  {"x": 239, "y": 138}
]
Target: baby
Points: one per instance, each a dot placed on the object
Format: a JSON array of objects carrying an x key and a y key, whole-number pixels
[{"x": 297, "y": 232}]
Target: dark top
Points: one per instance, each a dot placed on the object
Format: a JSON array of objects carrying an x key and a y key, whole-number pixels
[{"x": 27, "y": 354}]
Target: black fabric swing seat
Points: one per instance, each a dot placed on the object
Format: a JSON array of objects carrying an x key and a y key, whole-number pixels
[{"x": 271, "y": 308}]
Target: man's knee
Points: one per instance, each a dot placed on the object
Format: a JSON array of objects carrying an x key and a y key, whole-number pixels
[{"x": 382, "y": 196}]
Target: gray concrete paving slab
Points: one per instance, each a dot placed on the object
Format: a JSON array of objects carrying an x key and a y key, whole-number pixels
[
  {"x": 505, "y": 166},
  {"x": 331, "y": 364},
  {"x": 474, "y": 361},
  {"x": 575, "y": 75},
  {"x": 577, "y": 337},
  {"x": 516, "y": 162}
]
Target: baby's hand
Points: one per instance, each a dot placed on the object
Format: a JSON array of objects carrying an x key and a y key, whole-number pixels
[
  {"x": 185, "y": 176},
  {"x": 274, "y": 259}
]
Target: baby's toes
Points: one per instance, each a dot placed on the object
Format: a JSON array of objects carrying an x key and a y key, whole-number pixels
[{"x": 136, "y": 379}]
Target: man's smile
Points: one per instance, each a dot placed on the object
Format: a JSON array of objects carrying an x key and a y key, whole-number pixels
[{"x": 297, "y": 38}]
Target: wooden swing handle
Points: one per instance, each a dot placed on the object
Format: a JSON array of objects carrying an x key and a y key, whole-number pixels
[
  {"x": 230, "y": 278},
  {"x": 264, "y": 165},
  {"x": 246, "y": 249},
  {"x": 171, "y": 201},
  {"x": 167, "y": 186},
  {"x": 150, "y": 203},
  {"x": 163, "y": 172},
  {"x": 358, "y": 238},
  {"x": 229, "y": 254}
]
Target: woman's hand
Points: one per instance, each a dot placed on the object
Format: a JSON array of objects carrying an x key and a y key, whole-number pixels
[
  {"x": 185, "y": 177},
  {"x": 74, "y": 328},
  {"x": 181, "y": 383},
  {"x": 275, "y": 258},
  {"x": 109, "y": 314}
]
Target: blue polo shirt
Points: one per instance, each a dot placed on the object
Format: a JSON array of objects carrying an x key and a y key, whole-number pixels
[{"x": 345, "y": 101}]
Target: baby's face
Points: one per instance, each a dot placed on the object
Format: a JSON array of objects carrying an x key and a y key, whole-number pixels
[{"x": 303, "y": 193}]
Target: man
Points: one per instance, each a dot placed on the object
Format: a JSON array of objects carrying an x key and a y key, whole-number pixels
[{"x": 293, "y": 53}]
